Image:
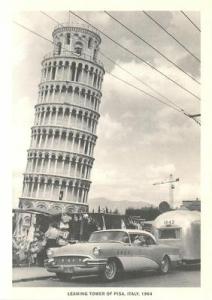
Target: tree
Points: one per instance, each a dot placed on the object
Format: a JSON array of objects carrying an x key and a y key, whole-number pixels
[
  {"x": 99, "y": 209},
  {"x": 148, "y": 213}
]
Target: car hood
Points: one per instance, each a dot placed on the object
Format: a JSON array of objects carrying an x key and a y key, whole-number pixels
[{"x": 83, "y": 248}]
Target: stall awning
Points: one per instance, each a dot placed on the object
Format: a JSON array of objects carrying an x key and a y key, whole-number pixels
[{"x": 31, "y": 211}]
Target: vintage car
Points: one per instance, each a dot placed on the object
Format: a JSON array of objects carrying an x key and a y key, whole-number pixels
[{"x": 109, "y": 253}]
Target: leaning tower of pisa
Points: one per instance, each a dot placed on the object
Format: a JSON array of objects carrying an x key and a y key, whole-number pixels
[{"x": 63, "y": 136}]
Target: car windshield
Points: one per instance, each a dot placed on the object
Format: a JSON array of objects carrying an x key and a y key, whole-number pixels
[{"x": 109, "y": 236}]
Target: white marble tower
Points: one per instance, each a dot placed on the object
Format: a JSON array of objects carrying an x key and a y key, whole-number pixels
[{"x": 60, "y": 157}]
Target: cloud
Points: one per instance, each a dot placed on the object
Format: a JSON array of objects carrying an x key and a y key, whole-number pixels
[
  {"x": 108, "y": 128},
  {"x": 156, "y": 141},
  {"x": 159, "y": 172},
  {"x": 189, "y": 64}
]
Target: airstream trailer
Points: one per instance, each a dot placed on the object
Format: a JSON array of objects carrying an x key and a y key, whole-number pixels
[{"x": 180, "y": 228}]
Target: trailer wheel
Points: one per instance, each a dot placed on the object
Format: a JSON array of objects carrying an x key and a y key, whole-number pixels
[{"x": 165, "y": 265}]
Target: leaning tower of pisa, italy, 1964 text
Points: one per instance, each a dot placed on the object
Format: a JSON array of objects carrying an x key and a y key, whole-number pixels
[{"x": 63, "y": 136}]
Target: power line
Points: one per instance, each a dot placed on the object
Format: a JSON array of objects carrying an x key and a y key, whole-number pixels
[
  {"x": 176, "y": 109},
  {"x": 190, "y": 20},
  {"x": 42, "y": 37},
  {"x": 180, "y": 110},
  {"x": 53, "y": 19},
  {"x": 127, "y": 83},
  {"x": 155, "y": 49},
  {"x": 138, "y": 79},
  {"x": 158, "y": 24},
  {"x": 34, "y": 32},
  {"x": 138, "y": 57},
  {"x": 39, "y": 35}
]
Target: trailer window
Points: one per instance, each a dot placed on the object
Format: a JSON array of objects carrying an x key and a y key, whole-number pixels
[{"x": 169, "y": 233}]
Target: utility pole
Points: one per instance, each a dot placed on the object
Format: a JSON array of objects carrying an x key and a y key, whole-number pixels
[
  {"x": 171, "y": 188},
  {"x": 194, "y": 117}
]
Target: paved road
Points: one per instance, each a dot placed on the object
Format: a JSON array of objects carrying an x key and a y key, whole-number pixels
[{"x": 189, "y": 277}]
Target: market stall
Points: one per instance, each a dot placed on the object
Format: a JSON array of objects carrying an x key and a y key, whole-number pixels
[{"x": 34, "y": 231}]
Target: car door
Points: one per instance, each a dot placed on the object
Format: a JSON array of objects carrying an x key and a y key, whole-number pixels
[
  {"x": 154, "y": 251},
  {"x": 144, "y": 253}
]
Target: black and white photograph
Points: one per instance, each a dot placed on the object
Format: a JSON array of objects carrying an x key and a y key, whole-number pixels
[
  {"x": 106, "y": 121},
  {"x": 111, "y": 184}
]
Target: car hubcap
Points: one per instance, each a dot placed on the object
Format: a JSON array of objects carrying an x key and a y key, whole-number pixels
[{"x": 110, "y": 270}]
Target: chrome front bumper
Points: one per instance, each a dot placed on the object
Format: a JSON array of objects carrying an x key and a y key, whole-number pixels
[{"x": 89, "y": 266}]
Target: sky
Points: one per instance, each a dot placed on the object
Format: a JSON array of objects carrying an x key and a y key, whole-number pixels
[{"x": 140, "y": 141}]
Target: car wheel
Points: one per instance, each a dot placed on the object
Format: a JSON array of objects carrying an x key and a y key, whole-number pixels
[
  {"x": 165, "y": 265},
  {"x": 112, "y": 270},
  {"x": 64, "y": 276}
]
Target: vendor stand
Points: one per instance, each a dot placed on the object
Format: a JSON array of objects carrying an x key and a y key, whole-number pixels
[{"x": 35, "y": 231}]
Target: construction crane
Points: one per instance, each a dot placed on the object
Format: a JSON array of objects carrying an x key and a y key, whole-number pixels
[{"x": 171, "y": 188}]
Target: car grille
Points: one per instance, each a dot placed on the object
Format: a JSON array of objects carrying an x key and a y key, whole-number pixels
[{"x": 70, "y": 260}]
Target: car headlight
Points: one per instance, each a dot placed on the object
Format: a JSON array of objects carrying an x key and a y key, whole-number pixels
[
  {"x": 49, "y": 253},
  {"x": 96, "y": 251}
]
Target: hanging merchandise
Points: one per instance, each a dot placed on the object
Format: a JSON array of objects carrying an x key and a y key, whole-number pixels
[
  {"x": 31, "y": 231},
  {"x": 63, "y": 225},
  {"x": 64, "y": 230},
  {"x": 52, "y": 232},
  {"x": 65, "y": 218},
  {"x": 23, "y": 247}
]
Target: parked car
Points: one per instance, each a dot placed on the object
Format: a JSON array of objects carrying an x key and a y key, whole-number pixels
[{"x": 109, "y": 253}]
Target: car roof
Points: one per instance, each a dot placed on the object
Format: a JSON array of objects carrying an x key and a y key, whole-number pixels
[{"x": 136, "y": 231}]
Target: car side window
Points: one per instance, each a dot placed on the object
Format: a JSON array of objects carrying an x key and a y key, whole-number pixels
[
  {"x": 132, "y": 238},
  {"x": 150, "y": 241},
  {"x": 125, "y": 238},
  {"x": 138, "y": 240}
]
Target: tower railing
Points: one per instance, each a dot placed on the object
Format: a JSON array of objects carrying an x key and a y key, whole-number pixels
[
  {"x": 73, "y": 54},
  {"x": 78, "y": 25}
]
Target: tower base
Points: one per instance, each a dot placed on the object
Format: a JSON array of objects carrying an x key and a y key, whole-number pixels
[{"x": 53, "y": 207}]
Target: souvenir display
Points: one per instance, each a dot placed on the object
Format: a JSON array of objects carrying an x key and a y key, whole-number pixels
[{"x": 59, "y": 230}]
